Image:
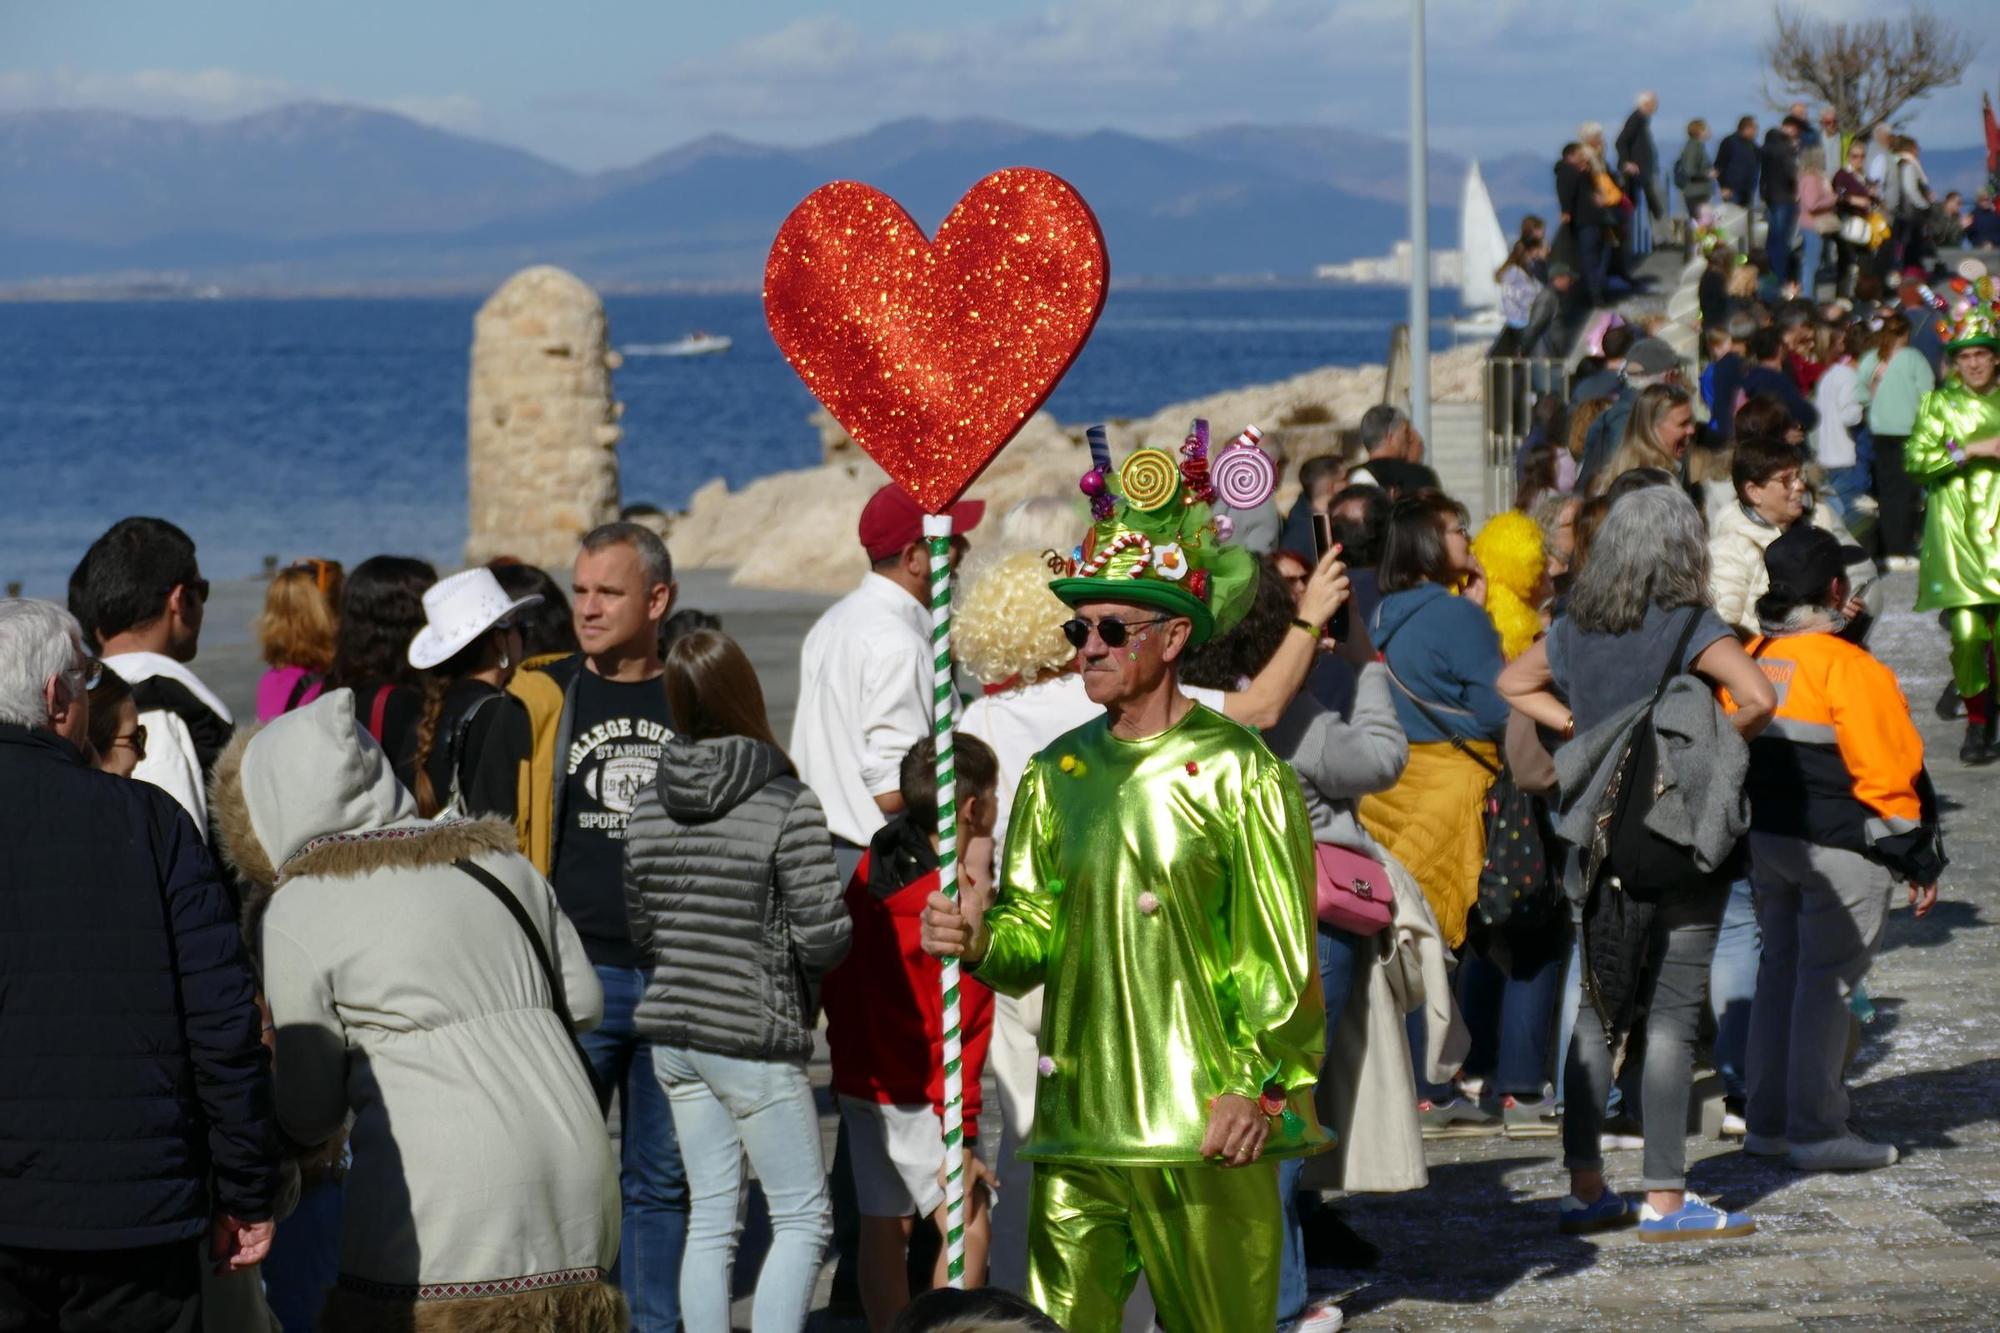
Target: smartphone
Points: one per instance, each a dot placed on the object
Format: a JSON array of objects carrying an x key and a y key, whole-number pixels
[{"x": 1337, "y": 628}]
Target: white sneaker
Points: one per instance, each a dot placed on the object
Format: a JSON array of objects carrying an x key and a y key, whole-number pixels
[
  {"x": 1901, "y": 564},
  {"x": 1849, "y": 1152},
  {"x": 1765, "y": 1145},
  {"x": 1324, "y": 1317},
  {"x": 1734, "y": 1126}
]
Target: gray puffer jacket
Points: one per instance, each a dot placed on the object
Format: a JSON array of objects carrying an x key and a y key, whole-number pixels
[{"x": 731, "y": 891}]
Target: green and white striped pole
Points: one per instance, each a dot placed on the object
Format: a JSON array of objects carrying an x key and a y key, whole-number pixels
[{"x": 944, "y": 717}]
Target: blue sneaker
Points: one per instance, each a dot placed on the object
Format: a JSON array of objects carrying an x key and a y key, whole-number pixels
[
  {"x": 1611, "y": 1211},
  {"x": 1695, "y": 1219}
]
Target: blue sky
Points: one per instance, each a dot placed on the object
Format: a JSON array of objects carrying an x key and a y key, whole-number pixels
[{"x": 598, "y": 83}]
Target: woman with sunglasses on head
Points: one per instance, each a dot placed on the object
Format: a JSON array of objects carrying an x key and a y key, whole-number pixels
[
  {"x": 296, "y": 633},
  {"x": 473, "y": 739}
]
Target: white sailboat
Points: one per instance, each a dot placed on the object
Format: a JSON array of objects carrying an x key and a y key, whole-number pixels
[{"x": 1482, "y": 249}]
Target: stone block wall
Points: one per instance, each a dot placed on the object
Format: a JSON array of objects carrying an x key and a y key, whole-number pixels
[{"x": 541, "y": 423}]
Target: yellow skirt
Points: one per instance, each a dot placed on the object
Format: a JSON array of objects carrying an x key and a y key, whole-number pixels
[{"x": 1434, "y": 822}]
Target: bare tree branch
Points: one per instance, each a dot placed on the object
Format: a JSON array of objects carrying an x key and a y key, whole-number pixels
[{"x": 1868, "y": 70}]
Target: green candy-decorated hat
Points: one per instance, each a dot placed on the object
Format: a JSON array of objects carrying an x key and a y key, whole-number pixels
[
  {"x": 1158, "y": 540},
  {"x": 1971, "y": 319}
]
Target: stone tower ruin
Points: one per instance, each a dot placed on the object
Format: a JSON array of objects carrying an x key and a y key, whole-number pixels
[{"x": 541, "y": 425}]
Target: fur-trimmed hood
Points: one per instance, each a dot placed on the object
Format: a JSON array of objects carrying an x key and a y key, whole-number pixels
[{"x": 313, "y": 794}]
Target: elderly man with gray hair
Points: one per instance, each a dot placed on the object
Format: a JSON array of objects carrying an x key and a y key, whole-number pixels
[
  {"x": 1395, "y": 454},
  {"x": 1639, "y": 165},
  {"x": 135, "y": 1093}
]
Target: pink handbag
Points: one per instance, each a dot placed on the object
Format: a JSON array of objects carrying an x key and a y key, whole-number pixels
[{"x": 1354, "y": 893}]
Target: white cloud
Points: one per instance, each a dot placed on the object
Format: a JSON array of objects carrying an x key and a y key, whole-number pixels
[
  {"x": 1504, "y": 73},
  {"x": 209, "y": 94}
]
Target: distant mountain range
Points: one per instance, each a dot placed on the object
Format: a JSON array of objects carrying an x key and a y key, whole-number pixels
[{"x": 318, "y": 197}]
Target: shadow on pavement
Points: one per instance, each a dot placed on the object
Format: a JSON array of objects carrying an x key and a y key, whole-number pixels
[
  {"x": 1950, "y": 916},
  {"x": 1516, "y": 1238}
]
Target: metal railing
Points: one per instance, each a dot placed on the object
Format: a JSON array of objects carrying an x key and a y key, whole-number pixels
[{"x": 1511, "y": 386}]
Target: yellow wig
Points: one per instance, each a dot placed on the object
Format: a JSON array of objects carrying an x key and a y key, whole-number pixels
[
  {"x": 1509, "y": 548},
  {"x": 1008, "y": 624}
]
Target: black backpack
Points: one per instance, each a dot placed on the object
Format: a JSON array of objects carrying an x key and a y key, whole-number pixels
[{"x": 1648, "y": 866}]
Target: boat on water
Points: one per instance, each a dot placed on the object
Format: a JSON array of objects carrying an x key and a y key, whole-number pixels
[
  {"x": 698, "y": 343},
  {"x": 1482, "y": 249}
]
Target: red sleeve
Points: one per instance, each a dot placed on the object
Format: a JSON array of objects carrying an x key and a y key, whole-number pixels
[{"x": 1992, "y": 142}]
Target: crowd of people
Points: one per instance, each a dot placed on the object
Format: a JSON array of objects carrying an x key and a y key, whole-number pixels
[
  {"x": 458, "y": 990},
  {"x": 1804, "y": 207}
]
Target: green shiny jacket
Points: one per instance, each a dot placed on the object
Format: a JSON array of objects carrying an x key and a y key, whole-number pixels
[
  {"x": 1960, "y": 565},
  {"x": 1163, "y": 893}
]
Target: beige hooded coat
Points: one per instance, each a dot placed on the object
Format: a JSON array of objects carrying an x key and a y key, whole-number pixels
[{"x": 403, "y": 993}]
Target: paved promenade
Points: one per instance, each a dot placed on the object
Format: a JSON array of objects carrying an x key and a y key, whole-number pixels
[{"x": 1916, "y": 1245}]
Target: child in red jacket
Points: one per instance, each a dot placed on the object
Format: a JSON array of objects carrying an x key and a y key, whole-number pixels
[{"x": 884, "y": 1025}]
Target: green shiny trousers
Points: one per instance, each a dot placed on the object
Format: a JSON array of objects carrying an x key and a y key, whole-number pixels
[
  {"x": 1971, "y": 630},
  {"x": 1207, "y": 1237}
]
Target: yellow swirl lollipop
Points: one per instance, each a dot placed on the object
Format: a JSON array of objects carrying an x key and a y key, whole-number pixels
[{"x": 1149, "y": 480}]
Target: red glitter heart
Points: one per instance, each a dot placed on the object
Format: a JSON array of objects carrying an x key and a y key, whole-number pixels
[{"x": 932, "y": 354}]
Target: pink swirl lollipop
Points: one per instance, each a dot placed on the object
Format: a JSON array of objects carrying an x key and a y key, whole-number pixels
[{"x": 1244, "y": 475}]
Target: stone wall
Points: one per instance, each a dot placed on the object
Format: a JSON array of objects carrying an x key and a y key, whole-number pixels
[
  {"x": 797, "y": 529},
  {"x": 541, "y": 424}
]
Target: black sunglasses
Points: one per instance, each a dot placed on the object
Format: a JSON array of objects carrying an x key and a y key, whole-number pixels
[{"x": 1111, "y": 629}]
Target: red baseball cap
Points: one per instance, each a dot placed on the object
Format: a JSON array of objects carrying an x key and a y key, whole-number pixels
[{"x": 891, "y": 521}]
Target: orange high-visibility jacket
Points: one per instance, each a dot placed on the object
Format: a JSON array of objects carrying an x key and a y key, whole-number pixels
[{"x": 1842, "y": 764}]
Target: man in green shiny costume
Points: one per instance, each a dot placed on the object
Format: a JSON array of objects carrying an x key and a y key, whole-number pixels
[
  {"x": 1954, "y": 450},
  {"x": 1158, "y": 881}
]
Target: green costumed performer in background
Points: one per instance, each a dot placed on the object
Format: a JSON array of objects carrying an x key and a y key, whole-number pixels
[
  {"x": 1159, "y": 883},
  {"x": 1954, "y": 450}
]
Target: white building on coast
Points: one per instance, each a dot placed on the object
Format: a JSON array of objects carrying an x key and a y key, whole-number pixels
[{"x": 1394, "y": 269}]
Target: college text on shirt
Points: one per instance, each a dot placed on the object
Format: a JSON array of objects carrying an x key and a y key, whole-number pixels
[{"x": 627, "y": 754}]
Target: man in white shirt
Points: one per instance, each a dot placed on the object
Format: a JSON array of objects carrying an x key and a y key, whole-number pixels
[
  {"x": 1880, "y": 158},
  {"x": 865, "y": 675},
  {"x": 140, "y": 596}
]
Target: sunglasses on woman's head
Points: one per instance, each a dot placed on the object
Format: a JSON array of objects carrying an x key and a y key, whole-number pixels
[{"x": 1113, "y": 630}]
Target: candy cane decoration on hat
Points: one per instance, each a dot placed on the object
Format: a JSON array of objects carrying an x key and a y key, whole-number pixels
[
  {"x": 944, "y": 715},
  {"x": 1091, "y": 567}
]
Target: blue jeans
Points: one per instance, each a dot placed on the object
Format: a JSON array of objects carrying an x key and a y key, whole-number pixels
[
  {"x": 305, "y": 1257},
  {"x": 1642, "y": 227},
  {"x": 1782, "y": 220},
  {"x": 1341, "y": 958},
  {"x": 1851, "y": 483},
  {"x": 1732, "y": 984},
  {"x": 1594, "y": 248},
  {"x": 1812, "y": 243},
  {"x": 727, "y": 1106},
  {"x": 1511, "y": 1015},
  {"x": 654, "y": 1183}
]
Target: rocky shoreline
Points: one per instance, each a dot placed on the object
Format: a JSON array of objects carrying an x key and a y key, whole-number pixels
[{"x": 795, "y": 530}]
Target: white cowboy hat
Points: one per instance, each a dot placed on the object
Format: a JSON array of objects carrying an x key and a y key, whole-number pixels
[{"x": 458, "y": 610}]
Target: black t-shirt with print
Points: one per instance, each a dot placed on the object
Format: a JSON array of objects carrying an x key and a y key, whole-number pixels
[{"x": 617, "y": 732}]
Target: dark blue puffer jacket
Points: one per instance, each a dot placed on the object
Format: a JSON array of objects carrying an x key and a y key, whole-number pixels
[{"x": 132, "y": 1074}]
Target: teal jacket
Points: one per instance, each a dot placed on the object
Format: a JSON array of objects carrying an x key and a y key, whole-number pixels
[{"x": 1892, "y": 404}]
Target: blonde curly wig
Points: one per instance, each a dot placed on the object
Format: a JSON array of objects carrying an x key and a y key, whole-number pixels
[{"x": 1007, "y": 623}]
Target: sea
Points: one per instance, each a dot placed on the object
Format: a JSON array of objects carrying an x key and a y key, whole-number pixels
[{"x": 285, "y": 428}]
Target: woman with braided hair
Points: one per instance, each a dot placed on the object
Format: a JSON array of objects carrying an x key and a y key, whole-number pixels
[{"x": 473, "y": 739}]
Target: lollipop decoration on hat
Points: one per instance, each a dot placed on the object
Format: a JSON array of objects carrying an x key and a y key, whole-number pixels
[
  {"x": 1157, "y": 544},
  {"x": 1245, "y": 476},
  {"x": 933, "y": 354}
]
